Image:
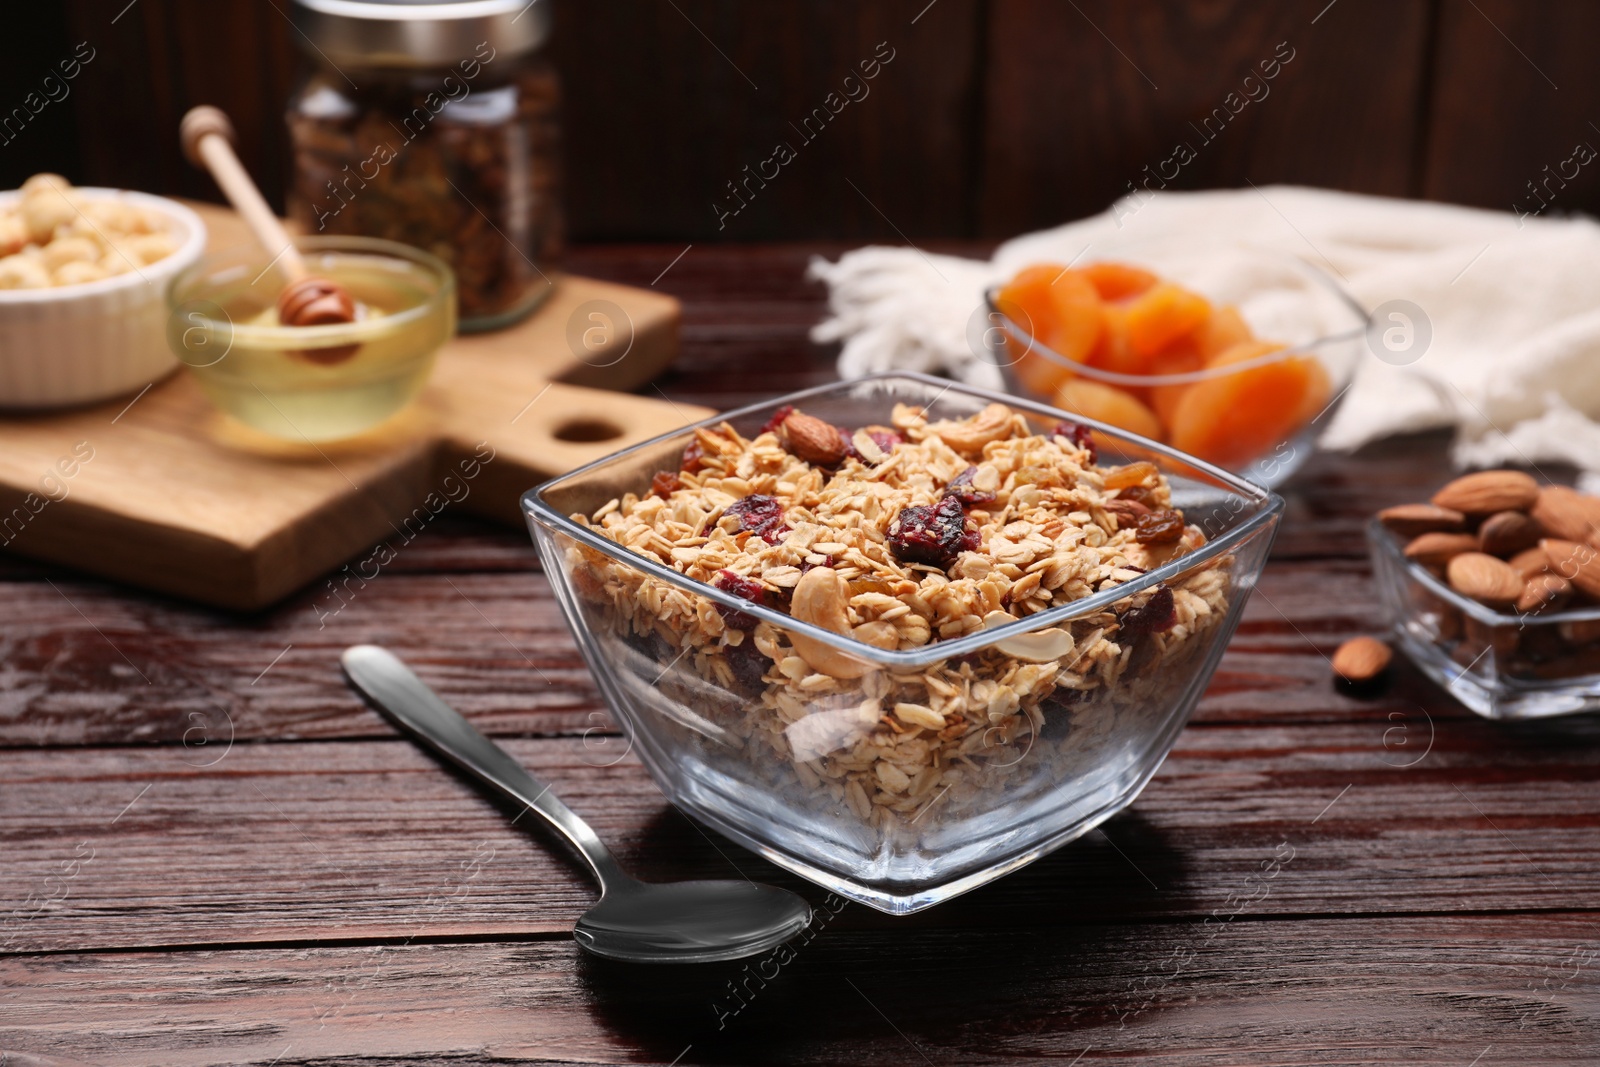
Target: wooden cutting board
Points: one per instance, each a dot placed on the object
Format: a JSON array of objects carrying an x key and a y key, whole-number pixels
[{"x": 167, "y": 494}]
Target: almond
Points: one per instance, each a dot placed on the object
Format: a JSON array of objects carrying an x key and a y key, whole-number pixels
[
  {"x": 1484, "y": 492},
  {"x": 1414, "y": 520},
  {"x": 1567, "y": 514},
  {"x": 1530, "y": 562},
  {"x": 1361, "y": 659},
  {"x": 1544, "y": 592},
  {"x": 1437, "y": 549},
  {"x": 1578, "y": 564},
  {"x": 813, "y": 440},
  {"x": 1505, "y": 533},
  {"x": 1485, "y": 579}
]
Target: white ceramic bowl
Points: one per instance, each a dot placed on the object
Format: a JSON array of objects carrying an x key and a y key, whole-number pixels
[{"x": 74, "y": 344}]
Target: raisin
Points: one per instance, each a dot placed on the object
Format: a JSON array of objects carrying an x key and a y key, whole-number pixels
[
  {"x": 748, "y": 666},
  {"x": 772, "y": 424},
  {"x": 1080, "y": 435},
  {"x": 962, "y": 489},
  {"x": 760, "y": 514},
  {"x": 745, "y": 589},
  {"x": 868, "y": 583},
  {"x": 1154, "y": 616},
  {"x": 693, "y": 457},
  {"x": 1138, "y": 494},
  {"x": 933, "y": 535},
  {"x": 1158, "y": 528},
  {"x": 664, "y": 484}
]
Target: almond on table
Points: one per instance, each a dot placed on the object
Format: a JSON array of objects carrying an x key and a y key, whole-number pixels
[
  {"x": 1484, "y": 578},
  {"x": 1361, "y": 659},
  {"x": 1414, "y": 520},
  {"x": 1505, "y": 533},
  {"x": 1437, "y": 549},
  {"x": 1567, "y": 513},
  {"x": 1485, "y": 492}
]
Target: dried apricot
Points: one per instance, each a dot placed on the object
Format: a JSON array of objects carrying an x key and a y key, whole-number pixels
[
  {"x": 1119, "y": 281},
  {"x": 1234, "y": 418},
  {"x": 1224, "y": 329},
  {"x": 1182, "y": 357},
  {"x": 1062, "y": 310},
  {"x": 1111, "y": 352},
  {"x": 1163, "y": 315},
  {"x": 1110, "y": 405}
]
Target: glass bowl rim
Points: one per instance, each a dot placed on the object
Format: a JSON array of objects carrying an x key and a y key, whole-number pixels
[
  {"x": 320, "y": 336},
  {"x": 1381, "y": 539},
  {"x": 1269, "y": 504},
  {"x": 1311, "y": 270}
]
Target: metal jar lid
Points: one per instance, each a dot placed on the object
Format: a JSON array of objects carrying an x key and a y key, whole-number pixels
[{"x": 417, "y": 33}]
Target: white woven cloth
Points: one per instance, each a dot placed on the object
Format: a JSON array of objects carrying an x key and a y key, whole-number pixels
[{"x": 1513, "y": 302}]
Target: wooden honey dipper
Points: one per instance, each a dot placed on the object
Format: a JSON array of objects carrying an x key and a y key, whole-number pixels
[{"x": 306, "y": 300}]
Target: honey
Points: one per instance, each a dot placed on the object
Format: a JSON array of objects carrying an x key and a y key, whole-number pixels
[{"x": 314, "y": 383}]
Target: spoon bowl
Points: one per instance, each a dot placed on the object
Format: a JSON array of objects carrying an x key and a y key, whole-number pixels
[
  {"x": 640, "y": 922},
  {"x": 690, "y": 922}
]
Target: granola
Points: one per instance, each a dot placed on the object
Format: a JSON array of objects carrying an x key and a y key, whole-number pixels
[{"x": 899, "y": 536}]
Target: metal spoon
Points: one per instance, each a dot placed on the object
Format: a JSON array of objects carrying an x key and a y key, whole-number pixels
[{"x": 643, "y": 922}]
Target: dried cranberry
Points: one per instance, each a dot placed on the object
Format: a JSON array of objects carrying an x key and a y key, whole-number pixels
[
  {"x": 693, "y": 457},
  {"x": 665, "y": 483},
  {"x": 885, "y": 440},
  {"x": 1158, "y": 528},
  {"x": 762, "y": 515},
  {"x": 772, "y": 424},
  {"x": 850, "y": 450},
  {"x": 1154, "y": 616},
  {"x": 806, "y": 565},
  {"x": 1079, "y": 435},
  {"x": 962, "y": 489},
  {"x": 745, "y": 589},
  {"x": 933, "y": 535}
]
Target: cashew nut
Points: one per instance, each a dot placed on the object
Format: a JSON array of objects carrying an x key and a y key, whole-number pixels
[
  {"x": 822, "y": 599},
  {"x": 969, "y": 435}
]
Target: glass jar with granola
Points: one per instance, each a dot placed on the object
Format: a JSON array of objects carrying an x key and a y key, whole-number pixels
[{"x": 440, "y": 132}]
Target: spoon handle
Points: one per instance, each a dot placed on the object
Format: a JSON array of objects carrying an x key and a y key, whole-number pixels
[{"x": 402, "y": 696}]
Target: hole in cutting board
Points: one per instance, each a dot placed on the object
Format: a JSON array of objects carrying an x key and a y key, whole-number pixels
[{"x": 584, "y": 430}]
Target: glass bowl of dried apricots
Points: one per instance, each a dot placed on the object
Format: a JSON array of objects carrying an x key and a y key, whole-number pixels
[{"x": 1235, "y": 355}]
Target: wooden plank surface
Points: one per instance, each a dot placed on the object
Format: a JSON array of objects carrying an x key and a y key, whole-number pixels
[
  {"x": 1513, "y": 150},
  {"x": 1440, "y": 993},
  {"x": 321, "y": 892},
  {"x": 1093, "y": 101},
  {"x": 345, "y": 840},
  {"x": 993, "y": 116}
]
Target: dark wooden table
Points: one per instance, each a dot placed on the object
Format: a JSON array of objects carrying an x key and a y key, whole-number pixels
[{"x": 211, "y": 852}]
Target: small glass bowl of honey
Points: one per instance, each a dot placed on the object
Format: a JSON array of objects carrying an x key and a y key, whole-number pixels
[{"x": 313, "y": 383}]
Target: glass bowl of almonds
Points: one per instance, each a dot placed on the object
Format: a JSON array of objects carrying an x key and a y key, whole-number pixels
[
  {"x": 898, "y": 635},
  {"x": 1493, "y": 589},
  {"x": 83, "y": 280}
]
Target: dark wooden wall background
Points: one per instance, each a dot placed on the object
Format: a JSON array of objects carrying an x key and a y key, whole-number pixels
[{"x": 994, "y": 117}]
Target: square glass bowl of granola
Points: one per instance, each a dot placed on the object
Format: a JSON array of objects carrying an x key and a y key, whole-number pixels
[{"x": 898, "y": 635}]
